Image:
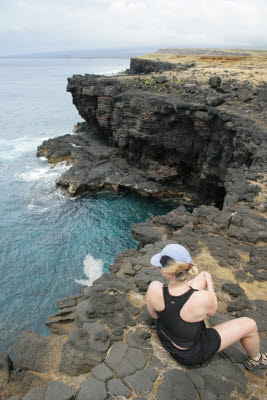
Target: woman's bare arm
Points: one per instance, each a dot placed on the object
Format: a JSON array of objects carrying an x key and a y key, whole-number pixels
[
  {"x": 152, "y": 295},
  {"x": 213, "y": 298}
]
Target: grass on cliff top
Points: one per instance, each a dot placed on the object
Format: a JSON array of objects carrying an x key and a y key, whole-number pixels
[{"x": 209, "y": 58}]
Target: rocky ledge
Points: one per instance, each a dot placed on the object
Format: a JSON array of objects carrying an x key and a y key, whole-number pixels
[{"x": 159, "y": 135}]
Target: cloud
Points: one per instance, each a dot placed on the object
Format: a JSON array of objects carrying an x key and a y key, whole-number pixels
[{"x": 44, "y": 25}]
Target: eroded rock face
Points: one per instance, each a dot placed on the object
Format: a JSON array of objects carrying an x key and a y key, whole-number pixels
[{"x": 158, "y": 144}]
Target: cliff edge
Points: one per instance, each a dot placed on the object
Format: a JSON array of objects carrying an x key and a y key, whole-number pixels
[{"x": 190, "y": 128}]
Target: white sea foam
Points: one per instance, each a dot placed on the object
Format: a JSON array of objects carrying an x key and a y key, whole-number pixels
[
  {"x": 93, "y": 269},
  {"x": 114, "y": 72},
  {"x": 12, "y": 148},
  {"x": 46, "y": 172}
]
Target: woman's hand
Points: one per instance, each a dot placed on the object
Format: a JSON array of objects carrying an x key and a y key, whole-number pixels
[{"x": 208, "y": 278}]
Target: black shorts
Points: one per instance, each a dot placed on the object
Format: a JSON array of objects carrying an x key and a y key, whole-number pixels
[{"x": 208, "y": 344}]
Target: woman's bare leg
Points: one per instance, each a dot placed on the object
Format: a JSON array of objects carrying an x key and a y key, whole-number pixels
[{"x": 243, "y": 329}]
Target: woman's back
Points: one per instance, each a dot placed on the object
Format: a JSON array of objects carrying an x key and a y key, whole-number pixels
[{"x": 180, "y": 331}]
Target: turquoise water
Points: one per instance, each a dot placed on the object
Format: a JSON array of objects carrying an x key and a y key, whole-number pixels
[{"x": 51, "y": 244}]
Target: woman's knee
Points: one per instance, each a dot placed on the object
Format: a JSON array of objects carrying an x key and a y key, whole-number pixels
[{"x": 251, "y": 324}]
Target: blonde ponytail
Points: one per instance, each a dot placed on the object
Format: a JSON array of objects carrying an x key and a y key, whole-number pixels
[{"x": 180, "y": 270}]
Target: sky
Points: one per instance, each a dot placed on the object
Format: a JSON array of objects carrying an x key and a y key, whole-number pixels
[{"x": 34, "y": 26}]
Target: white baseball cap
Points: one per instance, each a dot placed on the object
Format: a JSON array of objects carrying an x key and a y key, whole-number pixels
[{"x": 175, "y": 251}]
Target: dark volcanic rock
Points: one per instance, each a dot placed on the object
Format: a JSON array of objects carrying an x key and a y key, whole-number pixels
[
  {"x": 92, "y": 389},
  {"x": 174, "y": 382},
  {"x": 30, "y": 352},
  {"x": 214, "y": 100},
  {"x": 38, "y": 393},
  {"x": 215, "y": 81},
  {"x": 233, "y": 289},
  {"x": 85, "y": 348},
  {"x": 5, "y": 368},
  {"x": 117, "y": 388},
  {"x": 143, "y": 66},
  {"x": 59, "y": 391}
]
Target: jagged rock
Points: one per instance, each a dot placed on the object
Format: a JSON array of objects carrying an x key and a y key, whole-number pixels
[
  {"x": 148, "y": 233},
  {"x": 92, "y": 389},
  {"x": 214, "y": 100},
  {"x": 59, "y": 391},
  {"x": 174, "y": 382},
  {"x": 145, "y": 318},
  {"x": 85, "y": 348},
  {"x": 30, "y": 352},
  {"x": 38, "y": 393},
  {"x": 5, "y": 368},
  {"x": 245, "y": 95},
  {"x": 69, "y": 301},
  {"x": 241, "y": 303},
  {"x": 233, "y": 289},
  {"x": 215, "y": 81}
]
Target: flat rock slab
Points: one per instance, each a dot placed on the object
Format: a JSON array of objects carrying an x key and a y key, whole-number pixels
[
  {"x": 59, "y": 391},
  {"x": 140, "y": 382},
  {"x": 38, "y": 393},
  {"x": 102, "y": 372},
  {"x": 176, "y": 385},
  {"x": 206, "y": 395},
  {"x": 92, "y": 389},
  {"x": 116, "y": 354},
  {"x": 117, "y": 388}
]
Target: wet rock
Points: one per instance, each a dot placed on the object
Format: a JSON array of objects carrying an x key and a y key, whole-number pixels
[
  {"x": 5, "y": 368},
  {"x": 85, "y": 348},
  {"x": 59, "y": 391}
]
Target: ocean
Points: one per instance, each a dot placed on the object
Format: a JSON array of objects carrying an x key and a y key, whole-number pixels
[{"x": 51, "y": 244}]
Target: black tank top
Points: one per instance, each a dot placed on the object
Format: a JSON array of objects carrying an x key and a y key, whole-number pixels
[{"x": 180, "y": 332}]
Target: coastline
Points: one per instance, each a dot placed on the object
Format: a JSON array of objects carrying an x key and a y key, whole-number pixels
[{"x": 232, "y": 240}]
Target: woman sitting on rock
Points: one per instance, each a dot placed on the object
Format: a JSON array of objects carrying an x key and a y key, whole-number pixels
[{"x": 180, "y": 308}]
